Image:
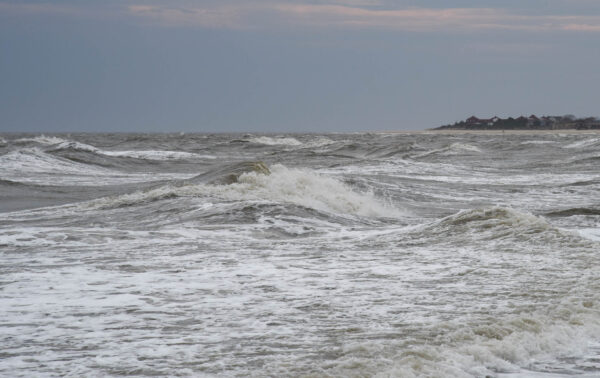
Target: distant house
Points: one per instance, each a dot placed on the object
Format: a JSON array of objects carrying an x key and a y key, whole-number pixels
[
  {"x": 472, "y": 120},
  {"x": 524, "y": 123},
  {"x": 533, "y": 121},
  {"x": 545, "y": 121}
]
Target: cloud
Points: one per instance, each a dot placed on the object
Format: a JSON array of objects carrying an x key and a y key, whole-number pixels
[
  {"x": 415, "y": 19},
  {"x": 217, "y": 17},
  {"x": 582, "y": 27},
  {"x": 341, "y": 14},
  {"x": 355, "y": 14}
]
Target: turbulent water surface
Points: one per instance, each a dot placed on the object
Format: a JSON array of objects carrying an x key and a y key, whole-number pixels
[{"x": 300, "y": 255}]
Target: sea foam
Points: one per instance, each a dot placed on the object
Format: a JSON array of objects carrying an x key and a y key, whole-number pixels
[
  {"x": 301, "y": 187},
  {"x": 273, "y": 141}
]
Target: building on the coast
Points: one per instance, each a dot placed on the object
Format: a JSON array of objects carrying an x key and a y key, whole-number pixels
[
  {"x": 522, "y": 122},
  {"x": 533, "y": 121},
  {"x": 474, "y": 121}
]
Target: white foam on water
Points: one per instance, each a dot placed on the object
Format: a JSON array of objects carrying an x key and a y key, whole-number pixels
[
  {"x": 589, "y": 233},
  {"x": 158, "y": 155},
  {"x": 283, "y": 185},
  {"x": 306, "y": 188},
  {"x": 319, "y": 142},
  {"x": 42, "y": 139},
  {"x": 60, "y": 144},
  {"x": 75, "y": 145},
  {"x": 34, "y": 166},
  {"x": 137, "y": 154},
  {"x": 34, "y": 160},
  {"x": 273, "y": 141},
  {"x": 508, "y": 346},
  {"x": 459, "y": 174},
  {"x": 487, "y": 291},
  {"x": 539, "y": 142},
  {"x": 584, "y": 143},
  {"x": 453, "y": 149}
]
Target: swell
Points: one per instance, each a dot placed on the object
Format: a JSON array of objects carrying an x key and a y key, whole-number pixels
[
  {"x": 11, "y": 184},
  {"x": 244, "y": 192},
  {"x": 34, "y": 159},
  {"x": 500, "y": 227},
  {"x": 89, "y": 154},
  {"x": 540, "y": 300},
  {"x": 574, "y": 211},
  {"x": 254, "y": 181},
  {"x": 514, "y": 344}
]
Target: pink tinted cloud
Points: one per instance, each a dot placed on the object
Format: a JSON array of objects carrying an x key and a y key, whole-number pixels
[
  {"x": 582, "y": 27},
  {"x": 312, "y": 15},
  {"x": 343, "y": 15},
  {"x": 350, "y": 14},
  {"x": 414, "y": 18}
]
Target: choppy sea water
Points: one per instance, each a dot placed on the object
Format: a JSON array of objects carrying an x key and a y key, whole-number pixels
[{"x": 390, "y": 255}]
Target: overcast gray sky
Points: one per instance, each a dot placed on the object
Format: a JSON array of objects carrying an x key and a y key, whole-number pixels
[{"x": 296, "y": 65}]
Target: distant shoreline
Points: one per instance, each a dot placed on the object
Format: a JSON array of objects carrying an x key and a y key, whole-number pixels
[
  {"x": 533, "y": 122},
  {"x": 494, "y": 132}
]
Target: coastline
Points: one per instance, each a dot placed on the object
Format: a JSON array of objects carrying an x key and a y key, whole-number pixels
[{"x": 495, "y": 132}]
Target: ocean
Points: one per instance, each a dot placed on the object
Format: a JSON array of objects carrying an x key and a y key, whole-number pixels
[{"x": 300, "y": 255}]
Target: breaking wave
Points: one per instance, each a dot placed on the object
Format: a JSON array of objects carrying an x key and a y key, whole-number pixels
[
  {"x": 31, "y": 165},
  {"x": 306, "y": 188},
  {"x": 506, "y": 346},
  {"x": 270, "y": 141},
  {"x": 539, "y": 142},
  {"x": 500, "y": 227},
  {"x": 592, "y": 142},
  {"x": 56, "y": 144},
  {"x": 34, "y": 160},
  {"x": 499, "y": 224},
  {"x": 41, "y": 139},
  {"x": 453, "y": 149},
  {"x": 276, "y": 184},
  {"x": 290, "y": 141},
  {"x": 136, "y": 154}
]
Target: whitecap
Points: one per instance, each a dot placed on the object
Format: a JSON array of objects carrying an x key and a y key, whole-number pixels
[
  {"x": 34, "y": 160},
  {"x": 136, "y": 154},
  {"x": 42, "y": 139},
  {"x": 305, "y": 188},
  {"x": 319, "y": 142},
  {"x": 453, "y": 149},
  {"x": 589, "y": 233},
  {"x": 538, "y": 142},
  {"x": 583, "y": 143},
  {"x": 283, "y": 185},
  {"x": 286, "y": 141},
  {"x": 157, "y": 155},
  {"x": 34, "y": 166}
]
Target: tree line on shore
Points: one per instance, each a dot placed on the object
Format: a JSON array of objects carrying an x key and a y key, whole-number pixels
[{"x": 526, "y": 123}]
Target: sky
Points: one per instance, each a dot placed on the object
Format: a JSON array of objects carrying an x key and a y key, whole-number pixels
[{"x": 292, "y": 65}]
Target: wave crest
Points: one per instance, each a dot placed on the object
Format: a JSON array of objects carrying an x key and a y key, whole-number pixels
[
  {"x": 270, "y": 141},
  {"x": 452, "y": 149},
  {"x": 277, "y": 184},
  {"x": 307, "y": 188},
  {"x": 591, "y": 142},
  {"x": 501, "y": 225}
]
